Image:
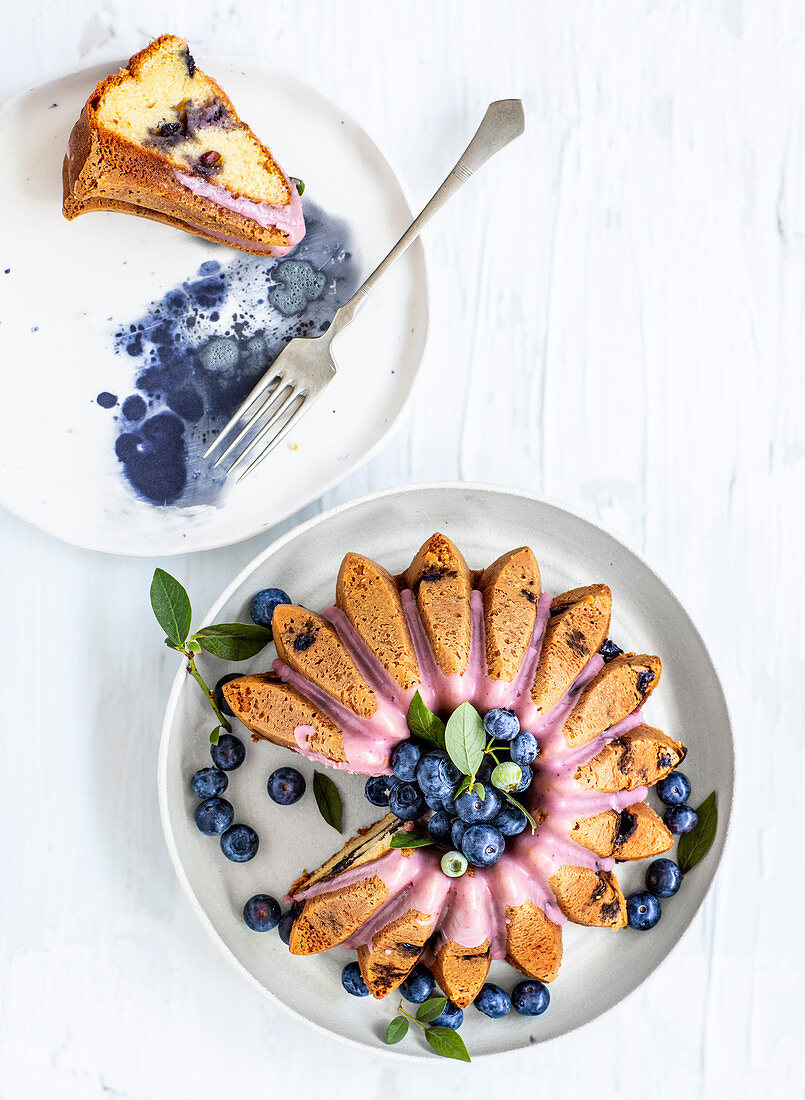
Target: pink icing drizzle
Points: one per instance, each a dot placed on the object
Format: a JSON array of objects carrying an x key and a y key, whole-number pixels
[
  {"x": 288, "y": 219},
  {"x": 471, "y": 909}
]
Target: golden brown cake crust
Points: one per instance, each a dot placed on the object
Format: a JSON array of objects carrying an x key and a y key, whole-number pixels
[
  {"x": 511, "y": 589},
  {"x": 461, "y": 971},
  {"x": 309, "y": 645},
  {"x": 370, "y": 599},
  {"x": 533, "y": 942},
  {"x": 273, "y": 710},
  {"x": 612, "y": 695},
  {"x": 642, "y": 834},
  {"x": 394, "y": 951},
  {"x": 441, "y": 581},
  {"x": 638, "y": 758},
  {"x": 105, "y": 171},
  {"x": 328, "y": 919},
  {"x": 592, "y": 898},
  {"x": 598, "y": 833},
  {"x": 576, "y": 630}
]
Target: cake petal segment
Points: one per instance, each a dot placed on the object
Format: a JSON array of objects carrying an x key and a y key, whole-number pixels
[
  {"x": 442, "y": 584},
  {"x": 160, "y": 139},
  {"x": 370, "y": 599},
  {"x": 598, "y": 833},
  {"x": 619, "y": 689},
  {"x": 638, "y": 758},
  {"x": 642, "y": 834},
  {"x": 576, "y": 630},
  {"x": 310, "y": 646},
  {"x": 589, "y": 897},
  {"x": 273, "y": 711},
  {"x": 461, "y": 971},
  {"x": 511, "y": 590},
  {"x": 533, "y": 942}
]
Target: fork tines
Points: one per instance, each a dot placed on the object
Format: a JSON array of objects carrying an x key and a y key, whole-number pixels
[{"x": 273, "y": 406}]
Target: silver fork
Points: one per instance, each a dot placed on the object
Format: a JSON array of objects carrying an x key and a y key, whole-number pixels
[{"x": 305, "y": 366}]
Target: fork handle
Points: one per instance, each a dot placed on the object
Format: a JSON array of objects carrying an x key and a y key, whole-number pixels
[{"x": 503, "y": 122}]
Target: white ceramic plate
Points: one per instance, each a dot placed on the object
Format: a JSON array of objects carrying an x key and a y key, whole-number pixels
[
  {"x": 68, "y": 289},
  {"x": 599, "y": 967}
]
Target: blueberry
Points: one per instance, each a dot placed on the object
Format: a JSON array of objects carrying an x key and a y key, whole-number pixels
[
  {"x": 262, "y": 913},
  {"x": 239, "y": 843},
  {"x": 404, "y": 760},
  {"x": 642, "y": 910},
  {"x": 433, "y": 801},
  {"x": 663, "y": 878},
  {"x": 406, "y": 802},
  {"x": 352, "y": 980},
  {"x": 525, "y": 779},
  {"x": 483, "y": 845},
  {"x": 524, "y": 748},
  {"x": 507, "y": 776},
  {"x": 530, "y": 998},
  {"x": 229, "y": 753},
  {"x": 451, "y": 1017},
  {"x": 418, "y": 986},
  {"x": 286, "y": 786},
  {"x": 472, "y": 809},
  {"x": 437, "y": 775},
  {"x": 220, "y": 698},
  {"x": 209, "y": 782},
  {"x": 680, "y": 819},
  {"x": 493, "y": 1001},
  {"x": 674, "y": 790},
  {"x": 501, "y": 724},
  {"x": 285, "y": 925},
  {"x": 214, "y": 816},
  {"x": 644, "y": 679},
  {"x": 609, "y": 651},
  {"x": 439, "y": 827},
  {"x": 454, "y": 864},
  {"x": 379, "y": 787},
  {"x": 457, "y": 831},
  {"x": 510, "y": 820},
  {"x": 264, "y": 602}
]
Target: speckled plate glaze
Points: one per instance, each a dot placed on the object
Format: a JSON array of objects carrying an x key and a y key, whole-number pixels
[
  {"x": 74, "y": 294},
  {"x": 600, "y": 967}
]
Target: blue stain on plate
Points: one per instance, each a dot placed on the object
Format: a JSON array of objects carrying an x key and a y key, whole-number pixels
[{"x": 202, "y": 346}]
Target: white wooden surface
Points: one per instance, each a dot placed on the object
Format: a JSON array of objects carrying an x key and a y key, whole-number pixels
[{"x": 617, "y": 321}]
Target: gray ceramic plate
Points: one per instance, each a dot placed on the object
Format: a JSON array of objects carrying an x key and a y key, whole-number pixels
[{"x": 599, "y": 967}]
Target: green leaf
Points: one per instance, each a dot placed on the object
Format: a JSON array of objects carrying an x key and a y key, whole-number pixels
[
  {"x": 328, "y": 799},
  {"x": 695, "y": 845},
  {"x": 193, "y": 646},
  {"x": 233, "y": 641},
  {"x": 409, "y": 840},
  {"x": 520, "y": 806},
  {"x": 465, "y": 738},
  {"x": 300, "y": 185},
  {"x": 430, "y": 1009},
  {"x": 447, "y": 1043},
  {"x": 171, "y": 605},
  {"x": 424, "y": 723},
  {"x": 397, "y": 1030},
  {"x": 464, "y": 785},
  {"x": 215, "y": 735},
  {"x": 479, "y": 789}
]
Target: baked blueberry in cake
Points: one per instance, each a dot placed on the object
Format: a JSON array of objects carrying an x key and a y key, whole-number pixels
[
  {"x": 162, "y": 140},
  {"x": 531, "y": 839}
]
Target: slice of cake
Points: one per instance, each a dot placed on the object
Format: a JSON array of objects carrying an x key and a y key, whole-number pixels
[{"x": 161, "y": 139}]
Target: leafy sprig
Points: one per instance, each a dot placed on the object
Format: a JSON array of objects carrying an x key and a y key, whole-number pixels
[
  {"x": 443, "y": 1040},
  {"x": 328, "y": 800},
  {"x": 695, "y": 845},
  {"x": 229, "y": 641}
]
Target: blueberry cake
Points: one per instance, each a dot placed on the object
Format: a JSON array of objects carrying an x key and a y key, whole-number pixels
[
  {"x": 161, "y": 139},
  {"x": 339, "y": 693}
]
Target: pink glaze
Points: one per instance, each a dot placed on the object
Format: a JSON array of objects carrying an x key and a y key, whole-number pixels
[
  {"x": 471, "y": 909},
  {"x": 288, "y": 219}
]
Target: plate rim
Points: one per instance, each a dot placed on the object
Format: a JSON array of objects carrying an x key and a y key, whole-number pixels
[
  {"x": 416, "y": 249},
  {"x": 179, "y": 682}
]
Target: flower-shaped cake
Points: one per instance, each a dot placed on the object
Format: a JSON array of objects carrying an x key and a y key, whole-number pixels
[{"x": 340, "y": 693}]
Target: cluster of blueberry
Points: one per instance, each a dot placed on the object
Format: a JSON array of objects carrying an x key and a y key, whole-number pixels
[
  {"x": 473, "y": 825},
  {"x": 663, "y": 876},
  {"x": 529, "y": 997}
]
